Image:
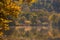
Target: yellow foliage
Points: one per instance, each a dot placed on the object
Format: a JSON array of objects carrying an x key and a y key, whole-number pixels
[
  {"x": 1, "y": 33},
  {"x": 7, "y": 8},
  {"x": 33, "y": 1},
  {"x": 7, "y": 28},
  {"x": 7, "y": 21}
]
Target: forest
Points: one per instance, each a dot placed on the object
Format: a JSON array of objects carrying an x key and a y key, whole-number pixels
[{"x": 29, "y": 20}]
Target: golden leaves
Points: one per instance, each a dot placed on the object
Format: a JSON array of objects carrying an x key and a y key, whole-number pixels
[
  {"x": 20, "y": 2},
  {"x": 1, "y": 33},
  {"x": 4, "y": 20},
  {"x": 8, "y": 8},
  {"x": 7, "y": 28},
  {"x": 33, "y": 1}
]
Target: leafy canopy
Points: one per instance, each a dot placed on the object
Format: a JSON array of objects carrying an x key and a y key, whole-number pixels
[{"x": 7, "y": 8}]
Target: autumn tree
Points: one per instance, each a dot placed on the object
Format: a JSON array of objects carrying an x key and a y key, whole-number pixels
[{"x": 7, "y": 8}]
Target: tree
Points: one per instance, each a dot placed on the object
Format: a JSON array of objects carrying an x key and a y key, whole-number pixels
[
  {"x": 29, "y": 1},
  {"x": 7, "y": 8}
]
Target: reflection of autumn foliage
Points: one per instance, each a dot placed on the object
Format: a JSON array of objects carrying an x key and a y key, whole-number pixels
[
  {"x": 47, "y": 20},
  {"x": 31, "y": 32}
]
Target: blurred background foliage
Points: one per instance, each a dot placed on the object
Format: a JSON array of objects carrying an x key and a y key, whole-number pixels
[{"x": 25, "y": 20}]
